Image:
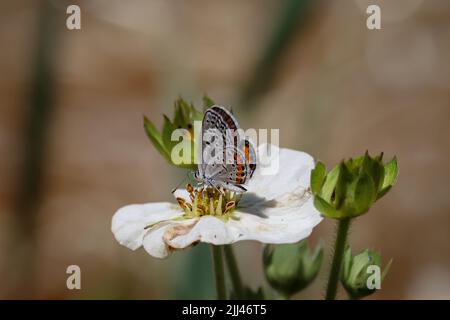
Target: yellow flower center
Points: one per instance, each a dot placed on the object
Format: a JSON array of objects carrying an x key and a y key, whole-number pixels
[{"x": 209, "y": 201}]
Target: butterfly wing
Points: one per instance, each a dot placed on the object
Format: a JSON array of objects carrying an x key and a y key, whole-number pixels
[
  {"x": 250, "y": 156},
  {"x": 219, "y": 131},
  {"x": 232, "y": 174},
  {"x": 233, "y": 160},
  {"x": 220, "y": 119}
]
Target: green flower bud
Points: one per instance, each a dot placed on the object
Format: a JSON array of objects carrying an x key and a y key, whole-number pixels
[
  {"x": 290, "y": 268},
  {"x": 361, "y": 274},
  {"x": 184, "y": 116},
  {"x": 352, "y": 187}
]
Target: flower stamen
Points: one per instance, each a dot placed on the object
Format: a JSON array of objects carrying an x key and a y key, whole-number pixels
[{"x": 209, "y": 201}]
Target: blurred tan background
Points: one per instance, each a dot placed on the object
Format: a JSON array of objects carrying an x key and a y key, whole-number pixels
[{"x": 73, "y": 149}]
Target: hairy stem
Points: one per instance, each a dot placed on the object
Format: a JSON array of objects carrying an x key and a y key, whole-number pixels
[{"x": 339, "y": 247}]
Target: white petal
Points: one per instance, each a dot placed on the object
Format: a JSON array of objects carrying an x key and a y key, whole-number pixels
[
  {"x": 294, "y": 170},
  {"x": 287, "y": 219},
  {"x": 164, "y": 238},
  {"x": 129, "y": 222},
  {"x": 158, "y": 240},
  {"x": 206, "y": 229}
]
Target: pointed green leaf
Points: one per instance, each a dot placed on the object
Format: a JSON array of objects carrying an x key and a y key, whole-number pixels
[
  {"x": 344, "y": 181},
  {"x": 390, "y": 173},
  {"x": 382, "y": 192},
  {"x": 185, "y": 114},
  {"x": 318, "y": 177},
  {"x": 155, "y": 137},
  {"x": 196, "y": 115},
  {"x": 326, "y": 209},
  {"x": 359, "y": 266},
  {"x": 379, "y": 158},
  {"x": 354, "y": 164},
  {"x": 180, "y": 116},
  {"x": 330, "y": 183},
  {"x": 168, "y": 128},
  {"x": 349, "y": 203},
  {"x": 390, "y": 177},
  {"x": 374, "y": 169},
  {"x": 363, "y": 195},
  {"x": 347, "y": 263}
]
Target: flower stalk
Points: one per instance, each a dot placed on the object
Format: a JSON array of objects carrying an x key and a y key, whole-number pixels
[
  {"x": 219, "y": 272},
  {"x": 339, "y": 248},
  {"x": 234, "y": 272}
]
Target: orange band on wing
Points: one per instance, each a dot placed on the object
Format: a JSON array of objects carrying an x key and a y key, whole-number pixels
[{"x": 239, "y": 173}]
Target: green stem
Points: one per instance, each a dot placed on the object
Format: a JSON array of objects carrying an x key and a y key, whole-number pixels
[
  {"x": 339, "y": 247},
  {"x": 218, "y": 272},
  {"x": 233, "y": 269}
]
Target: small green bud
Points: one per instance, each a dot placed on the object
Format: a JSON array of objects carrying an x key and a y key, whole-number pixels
[
  {"x": 184, "y": 117},
  {"x": 361, "y": 274},
  {"x": 290, "y": 268},
  {"x": 352, "y": 187}
]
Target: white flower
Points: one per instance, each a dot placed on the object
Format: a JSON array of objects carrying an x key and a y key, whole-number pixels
[{"x": 275, "y": 209}]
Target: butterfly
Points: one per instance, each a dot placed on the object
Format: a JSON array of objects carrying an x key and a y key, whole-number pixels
[{"x": 227, "y": 159}]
